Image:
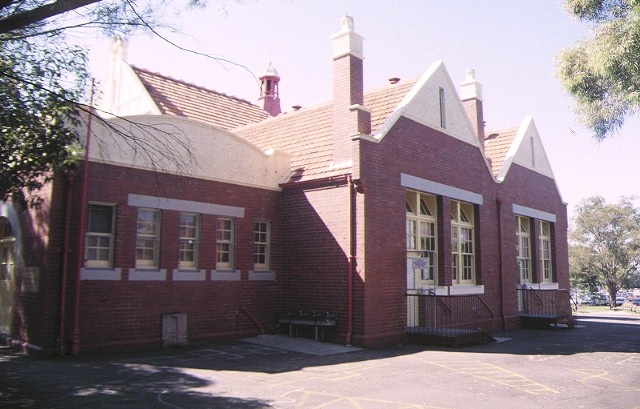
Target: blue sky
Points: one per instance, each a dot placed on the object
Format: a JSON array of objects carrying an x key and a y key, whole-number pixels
[{"x": 512, "y": 45}]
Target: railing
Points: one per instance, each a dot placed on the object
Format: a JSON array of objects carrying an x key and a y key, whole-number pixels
[
  {"x": 544, "y": 303},
  {"x": 447, "y": 316}
]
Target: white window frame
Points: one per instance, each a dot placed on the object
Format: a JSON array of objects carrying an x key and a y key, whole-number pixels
[
  {"x": 523, "y": 246},
  {"x": 189, "y": 241},
  {"x": 153, "y": 236},
  {"x": 261, "y": 245},
  {"x": 422, "y": 238},
  {"x": 463, "y": 258},
  {"x": 546, "y": 266},
  {"x": 104, "y": 240},
  {"x": 225, "y": 243}
]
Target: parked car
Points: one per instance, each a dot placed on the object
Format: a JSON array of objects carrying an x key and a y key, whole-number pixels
[{"x": 599, "y": 299}]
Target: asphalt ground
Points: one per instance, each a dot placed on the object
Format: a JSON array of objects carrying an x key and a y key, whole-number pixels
[{"x": 595, "y": 365}]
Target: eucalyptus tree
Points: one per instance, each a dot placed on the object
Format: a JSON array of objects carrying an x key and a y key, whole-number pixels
[
  {"x": 605, "y": 242},
  {"x": 602, "y": 72}
]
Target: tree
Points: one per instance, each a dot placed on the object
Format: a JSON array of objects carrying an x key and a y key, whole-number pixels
[
  {"x": 44, "y": 81},
  {"x": 602, "y": 73},
  {"x": 605, "y": 242}
]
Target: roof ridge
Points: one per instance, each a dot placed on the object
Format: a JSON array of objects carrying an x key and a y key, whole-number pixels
[
  {"x": 385, "y": 87},
  {"x": 285, "y": 116},
  {"x": 190, "y": 84},
  {"x": 503, "y": 130}
]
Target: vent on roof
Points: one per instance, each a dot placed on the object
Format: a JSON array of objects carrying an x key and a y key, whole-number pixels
[
  {"x": 394, "y": 80},
  {"x": 296, "y": 107}
]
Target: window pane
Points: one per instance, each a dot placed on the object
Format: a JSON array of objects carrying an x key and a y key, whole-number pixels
[
  {"x": 225, "y": 243},
  {"x": 411, "y": 235},
  {"x": 189, "y": 238},
  {"x": 100, "y": 236},
  {"x": 147, "y": 242},
  {"x": 100, "y": 218},
  {"x": 462, "y": 243},
  {"x": 261, "y": 245},
  {"x": 545, "y": 251}
]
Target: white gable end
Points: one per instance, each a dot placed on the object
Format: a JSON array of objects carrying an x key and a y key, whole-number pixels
[
  {"x": 123, "y": 94},
  {"x": 527, "y": 151},
  {"x": 422, "y": 105}
]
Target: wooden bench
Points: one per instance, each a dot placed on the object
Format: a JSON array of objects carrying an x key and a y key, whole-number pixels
[{"x": 318, "y": 320}]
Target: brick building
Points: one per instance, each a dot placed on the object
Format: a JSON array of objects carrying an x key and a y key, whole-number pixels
[{"x": 202, "y": 217}]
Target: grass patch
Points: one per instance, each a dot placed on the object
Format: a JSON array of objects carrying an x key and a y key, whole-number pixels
[{"x": 587, "y": 309}]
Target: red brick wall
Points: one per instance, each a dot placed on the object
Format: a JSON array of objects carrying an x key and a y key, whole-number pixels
[
  {"x": 422, "y": 152},
  {"x": 310, "y": 248},
  {"x": 315, "y": 228},
  {"x": 128, "y": 313},
  {"x": 315, "y": 263}
]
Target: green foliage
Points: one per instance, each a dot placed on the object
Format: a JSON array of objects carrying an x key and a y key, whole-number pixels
[
  {"x": 602, "y": 73},
  {"x": 42, "y": 80},
  {"x": 605, "y": 242}
]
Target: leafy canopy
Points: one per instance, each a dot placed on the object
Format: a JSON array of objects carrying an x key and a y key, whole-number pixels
[
  {"x": 44, "y": 81},
  {"x": 602, "y": 73},
  {"x": 605, "y": 242}
]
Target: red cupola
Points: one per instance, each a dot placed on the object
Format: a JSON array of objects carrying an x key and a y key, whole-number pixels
[{"x": 269, "y": 99}]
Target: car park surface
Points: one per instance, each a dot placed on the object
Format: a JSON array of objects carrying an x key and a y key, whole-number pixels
[{"x": 594, "y": 365}]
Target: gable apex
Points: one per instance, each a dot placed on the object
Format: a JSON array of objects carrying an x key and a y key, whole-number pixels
[
  {"x": 422, "y": 105},
  {"x": 527, "y": 151}
]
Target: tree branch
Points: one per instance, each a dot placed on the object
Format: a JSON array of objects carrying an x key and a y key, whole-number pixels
[{"x": 32, "y": 16}]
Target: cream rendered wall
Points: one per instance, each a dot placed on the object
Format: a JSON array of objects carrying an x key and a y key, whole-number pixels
[{"x": 163, "y": 143}]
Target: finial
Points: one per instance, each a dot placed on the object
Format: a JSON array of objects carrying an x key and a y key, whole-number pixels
[
  {"x": 471, "y": 74},
  {"x": 347, "y": 23}
]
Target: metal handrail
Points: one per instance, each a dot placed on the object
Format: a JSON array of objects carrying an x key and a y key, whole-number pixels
[
  {"x": 443, "y": 303},
  {"x": 485, "y": 305},
  {"x": 545, "y": 303},
  {"x": 455, "y": 314},
  {"x": 533, "y": 291}
]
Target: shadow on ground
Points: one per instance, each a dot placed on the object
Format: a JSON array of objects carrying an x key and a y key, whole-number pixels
[
  {"x": 97, "y": 383},
  {"x": 179, "y": 378}
]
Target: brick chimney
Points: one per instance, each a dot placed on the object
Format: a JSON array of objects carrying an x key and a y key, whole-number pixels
[
  {"x": 471, "y": 96},
  {"x": 269, "y": 98},
  {"x": 350, "y": 118}
]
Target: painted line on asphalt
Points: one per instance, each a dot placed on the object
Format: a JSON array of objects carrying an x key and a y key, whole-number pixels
[
  {"x": 600, "y": 375},
  {"x": 495, "y": 374}
]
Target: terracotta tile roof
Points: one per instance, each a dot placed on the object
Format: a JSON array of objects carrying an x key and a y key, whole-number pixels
[
  {"x": 383, "y": 101},
  {"x": 175, "y": 97},
  {"x": 497, "y": 145},
  {"x": 306, "y": 134}
]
